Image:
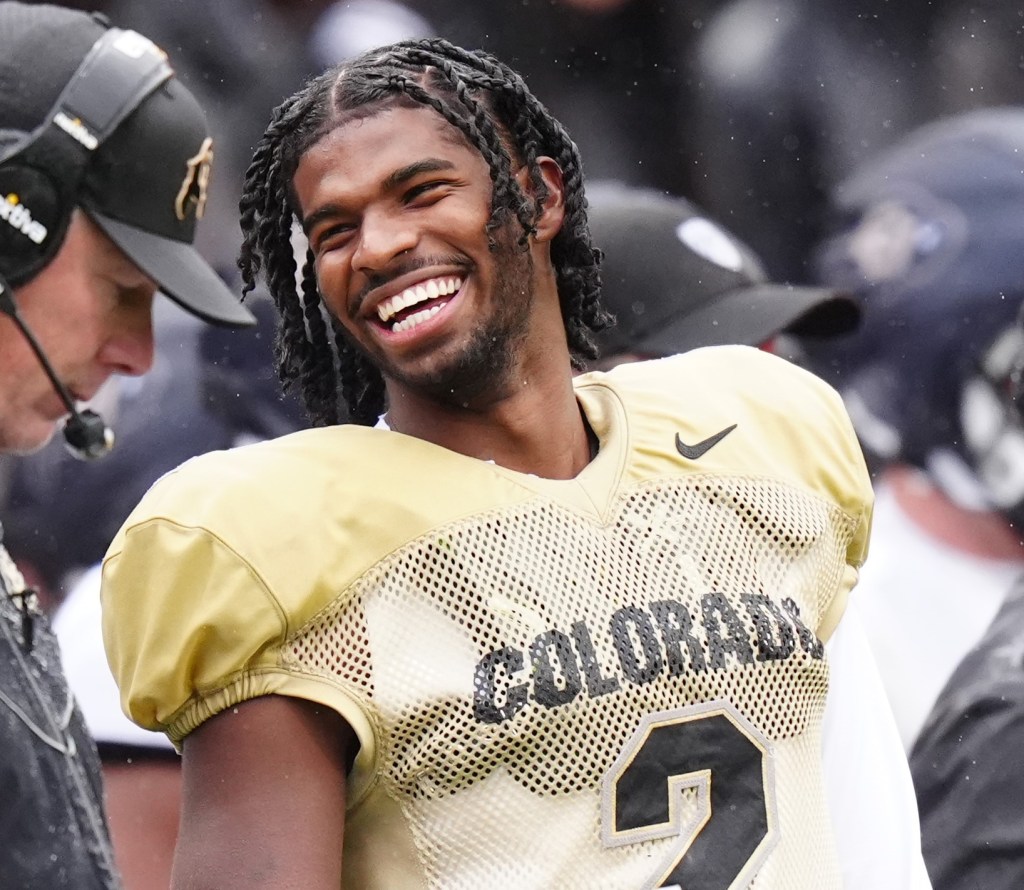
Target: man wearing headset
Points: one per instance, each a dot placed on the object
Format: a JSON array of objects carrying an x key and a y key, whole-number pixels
[{"x": 104, "y": 165}]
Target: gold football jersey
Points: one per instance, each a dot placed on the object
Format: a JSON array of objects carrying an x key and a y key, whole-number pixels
[{"x": 615, "y": 681}]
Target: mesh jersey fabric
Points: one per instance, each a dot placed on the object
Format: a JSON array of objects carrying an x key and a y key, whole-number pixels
[{"x": 615, "y": 681}]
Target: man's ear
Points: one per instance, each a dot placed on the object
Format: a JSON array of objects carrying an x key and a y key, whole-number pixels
[{"x": 552, "y": 214}]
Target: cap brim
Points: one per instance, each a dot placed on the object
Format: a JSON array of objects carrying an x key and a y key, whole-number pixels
[
  {"x": 752, "y": 316},
  {"x": 180, "y": 273}
]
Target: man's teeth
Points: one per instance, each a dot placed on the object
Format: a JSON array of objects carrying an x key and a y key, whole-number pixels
[
  {"x": 411, "y": 321},
  {"x": 411, "y": 296}
]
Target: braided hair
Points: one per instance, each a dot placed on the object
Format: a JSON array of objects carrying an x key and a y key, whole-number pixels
[{"x": 492, "y": 107}]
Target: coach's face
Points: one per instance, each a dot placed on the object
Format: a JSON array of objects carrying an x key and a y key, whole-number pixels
[{"x": 91, "y": 311}]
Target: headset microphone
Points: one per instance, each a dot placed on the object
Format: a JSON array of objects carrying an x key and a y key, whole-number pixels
[{"x": 86, "y": 435}]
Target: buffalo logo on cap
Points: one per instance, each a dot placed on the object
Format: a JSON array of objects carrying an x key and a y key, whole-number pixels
[{"x": 192, "y": 194}]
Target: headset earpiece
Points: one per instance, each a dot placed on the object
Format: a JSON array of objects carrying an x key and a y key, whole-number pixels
[{"x": 34, "y": 216}]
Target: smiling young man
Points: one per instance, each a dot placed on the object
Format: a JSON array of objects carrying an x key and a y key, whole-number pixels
[
  {"x": 511, "y": 628},
  {"x": 487, "y": 346},
  {"x": 103, "y": 163}
]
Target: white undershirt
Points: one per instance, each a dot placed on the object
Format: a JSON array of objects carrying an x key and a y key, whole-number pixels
[
  {"x": 868, "y": 787},
  {"x": 924, "y": 605}
]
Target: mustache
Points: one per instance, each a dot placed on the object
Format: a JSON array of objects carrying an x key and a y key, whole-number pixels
[{"x": 404, "y": 267}]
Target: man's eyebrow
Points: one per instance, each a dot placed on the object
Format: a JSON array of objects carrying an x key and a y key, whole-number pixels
[
  {"x": 404, "y": 174},
  {"x": 392, "y": 181},
  {"x": 326, "y": 212}
]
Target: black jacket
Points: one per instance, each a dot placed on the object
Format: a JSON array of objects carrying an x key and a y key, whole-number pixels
[
  {"x": 53, "y": 831},
  {"x": 968, "y": 764}
]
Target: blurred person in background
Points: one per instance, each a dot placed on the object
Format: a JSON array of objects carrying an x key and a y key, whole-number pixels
[
  {"x": 795, "y": 95},
  {"x": 946, "y": 257},
  {"x": 927, "y": 236},
  {"x": 930, "y": 236}
]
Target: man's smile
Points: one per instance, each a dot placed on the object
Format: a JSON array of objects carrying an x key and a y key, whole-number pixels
[{"x": 417, "y": 303}]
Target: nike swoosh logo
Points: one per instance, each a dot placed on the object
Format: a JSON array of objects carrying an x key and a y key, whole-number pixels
[{"x": 692, "y": 452}]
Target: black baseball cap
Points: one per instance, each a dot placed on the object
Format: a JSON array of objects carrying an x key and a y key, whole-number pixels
[
  {"x": 145, "y": 185},
  {"x": 675, "y": 280}
]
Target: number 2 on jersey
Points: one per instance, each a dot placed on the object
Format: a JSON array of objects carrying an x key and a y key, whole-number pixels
[{"x": 716, "y": 751}]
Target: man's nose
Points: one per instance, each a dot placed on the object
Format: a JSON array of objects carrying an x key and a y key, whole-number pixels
[
  {"x": 382, "y": 237},
  {"x": 129, "y": 348}
]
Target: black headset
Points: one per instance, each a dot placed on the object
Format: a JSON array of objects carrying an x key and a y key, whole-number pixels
[{"x": 41, "y": 174}]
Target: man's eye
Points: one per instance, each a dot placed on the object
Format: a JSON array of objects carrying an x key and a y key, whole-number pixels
[
  {"x": 426, "y": 189},
  {"x": 331, "y": 237}
]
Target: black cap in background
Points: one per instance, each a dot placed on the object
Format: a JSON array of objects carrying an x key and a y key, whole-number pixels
[{"x": 676, "y": 280}]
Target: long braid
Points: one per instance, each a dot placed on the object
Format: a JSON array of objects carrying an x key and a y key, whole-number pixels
[
  {"x": 266, "y": 220},
  {"x": 492, "y": 107},
  {"x": 321, "y": 391},
  {"x": 362, "y": 384},
  {"x": 576, "y": 261}
]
